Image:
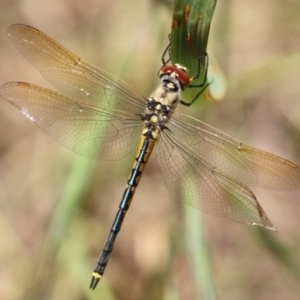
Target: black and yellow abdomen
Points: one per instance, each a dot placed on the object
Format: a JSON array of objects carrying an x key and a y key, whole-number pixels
[{"x": 143, "y": 154}]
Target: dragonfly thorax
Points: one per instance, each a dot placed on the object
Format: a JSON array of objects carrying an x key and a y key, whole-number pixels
[{"x": 161, "y": 106}]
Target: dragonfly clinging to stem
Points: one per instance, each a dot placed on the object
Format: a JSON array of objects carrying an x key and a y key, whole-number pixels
[{"x": 99, "y": 116}]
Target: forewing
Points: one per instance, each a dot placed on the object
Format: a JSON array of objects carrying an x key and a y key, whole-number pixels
[
  {"x": 246, "y": 164},
  {"x": 70, "y": 74},
  {"x": 91, "y": 131}
]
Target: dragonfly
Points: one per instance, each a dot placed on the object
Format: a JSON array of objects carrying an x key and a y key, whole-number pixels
[{"x": 99, "y": 116}]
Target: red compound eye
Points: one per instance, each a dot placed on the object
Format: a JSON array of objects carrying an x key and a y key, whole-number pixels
[{"x": 182, "y": 76}]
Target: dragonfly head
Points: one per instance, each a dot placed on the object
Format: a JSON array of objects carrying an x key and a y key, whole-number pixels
[{"x": 176, "y": 74}]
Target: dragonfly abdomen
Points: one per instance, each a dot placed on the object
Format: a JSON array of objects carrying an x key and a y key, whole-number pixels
[{"x": 143, "y": 154}]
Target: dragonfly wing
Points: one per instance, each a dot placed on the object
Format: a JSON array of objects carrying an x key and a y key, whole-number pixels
[
  {"x": 70, "y": 74},
  {"x": 197, "y": 183},
  {"x": 91, "y": 131},
  {"x": 246, "y": 164}
]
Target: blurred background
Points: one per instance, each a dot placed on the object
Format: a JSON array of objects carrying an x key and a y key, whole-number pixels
[{"x": 56, "y": 208}]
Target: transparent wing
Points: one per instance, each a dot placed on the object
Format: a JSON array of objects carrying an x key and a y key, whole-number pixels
[
  {"x": 71, "y": 75},
  {"x": 209, "y": 170},
  {"x": 92, "y": 131},
  {"x": 246, "y": 164},
  {"x": 195, "y": 182}
]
